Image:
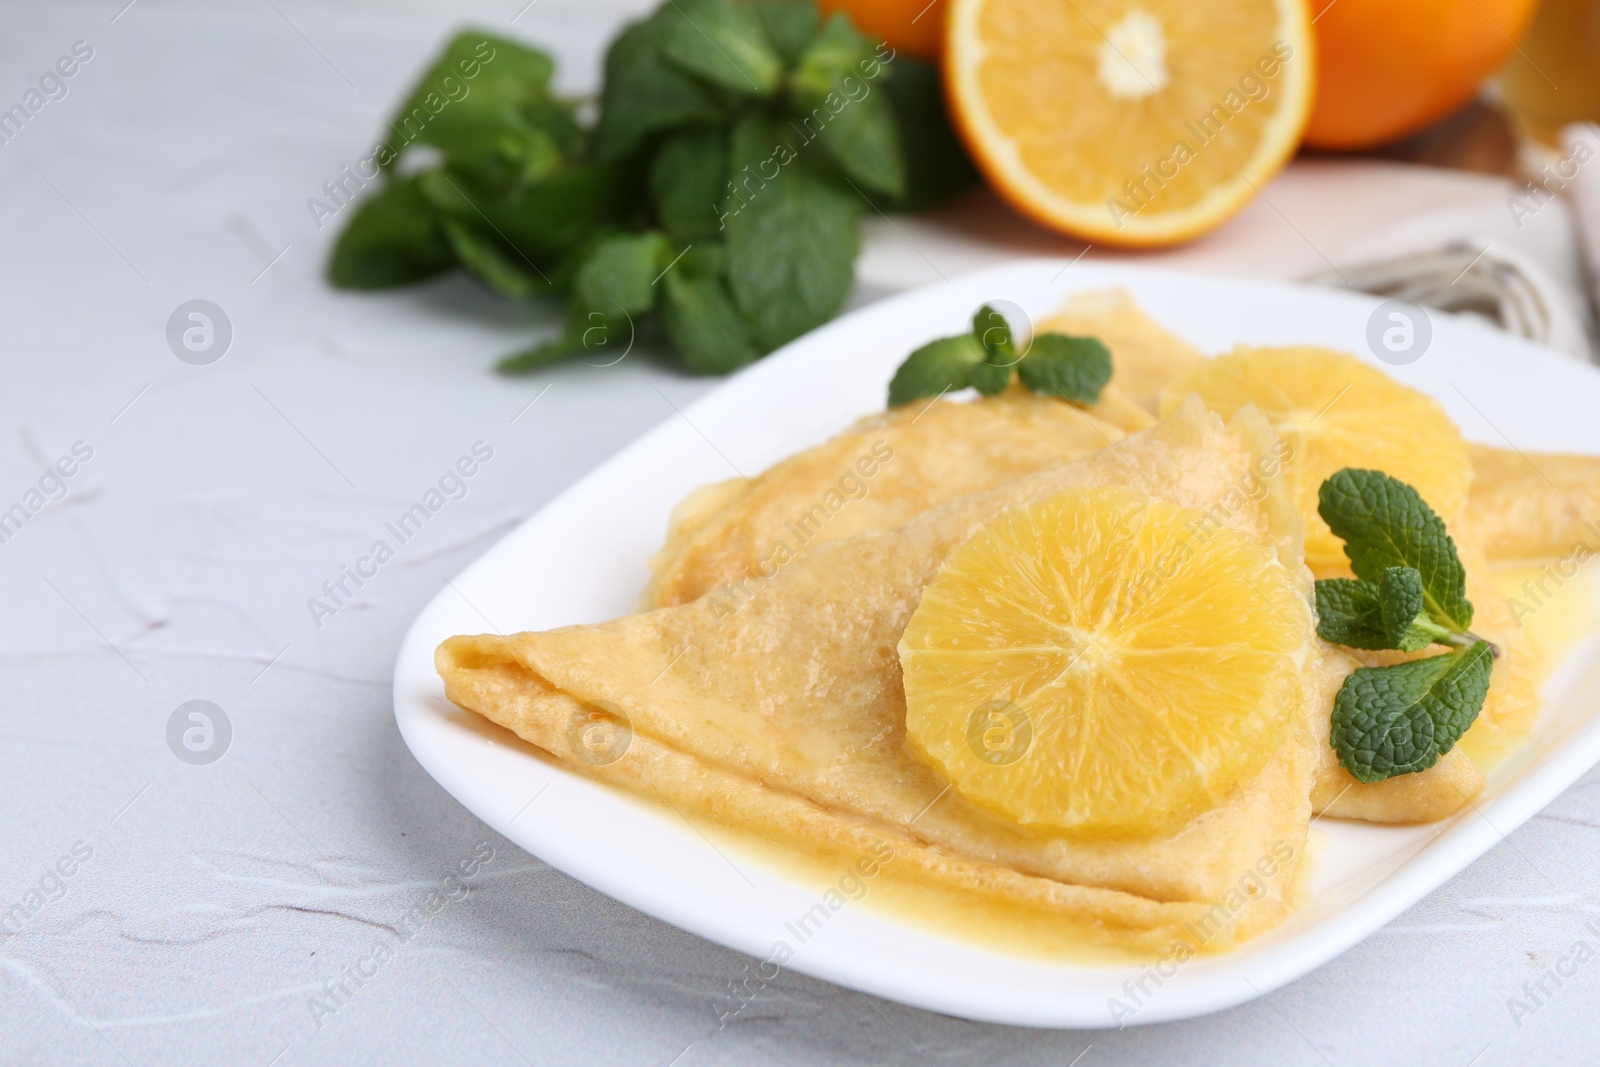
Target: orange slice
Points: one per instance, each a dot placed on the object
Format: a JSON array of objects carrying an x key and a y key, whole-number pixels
[
  {"x": 1092, "y": 664},
  {"x": 1334, "y": 411},
  {"x": 1129, "y": 122}
]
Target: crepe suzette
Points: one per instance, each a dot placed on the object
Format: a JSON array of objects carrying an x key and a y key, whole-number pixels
[
  {"x": 788, "y": 719},
  {"x": 1521, "y": 509}
]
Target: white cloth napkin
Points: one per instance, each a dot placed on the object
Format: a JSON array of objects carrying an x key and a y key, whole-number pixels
[
  {"x": 1582, "y": 161},
  {"x": 1518, "y": 266}
]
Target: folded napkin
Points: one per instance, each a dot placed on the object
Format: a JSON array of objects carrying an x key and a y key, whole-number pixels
[
  {"x": 1582, "y": 162},
  {"x": 1517, "y": 267}
]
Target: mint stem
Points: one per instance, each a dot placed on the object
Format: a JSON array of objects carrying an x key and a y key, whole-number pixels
[
  {"x": 1442, "y": 634},
  {"x": 1457, "y": 638}
]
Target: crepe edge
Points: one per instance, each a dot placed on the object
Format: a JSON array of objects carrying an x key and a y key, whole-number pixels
[{"x": 485, "y": 675}]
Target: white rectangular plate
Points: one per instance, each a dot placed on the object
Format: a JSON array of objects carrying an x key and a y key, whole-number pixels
[{"x": 581, "y": 559}]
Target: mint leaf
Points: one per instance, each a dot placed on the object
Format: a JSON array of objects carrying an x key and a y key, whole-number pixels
[
  {"x": 936, "y": 368},
  {"x": 644, "y": 94},
  {"x": 495, "y": 263},
  {"x": 559, "y": 119},
  {"x": 492, "y": 66},
  {"x": 846, "y": 112},
  {"x": 611, "y": 291},
  {"x": 1348, "y": 613},
  {"x": 687, "y": 179},
  {"x": 990, "y": 378},
  {"x": 717, "y": 41},
  {"x": 546, "y": 219},
  {"x": 394, "y": 238},
  {"x": 1072, "y": 368},
  {"x": 536, "y": 356},
  {"x": 1406, "y": 625},
  {"x": 993, "y": 332},
  {"x": 699, "y": 316},
  {"x": 1400, "y": 719},
  {"x": 618, "y": 273},
  {"x": 790, "y": 232},
  {"x": 788, "y": 25},
  {"x": 936, "y": 164},
  {"x": 1385, "y": 523},
  {"x": 482, "y": 104},
  {"x": 1388, "y": 613}
]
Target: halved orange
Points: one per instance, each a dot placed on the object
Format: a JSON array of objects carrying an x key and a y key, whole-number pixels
[{"x": 1129, "y": 122}]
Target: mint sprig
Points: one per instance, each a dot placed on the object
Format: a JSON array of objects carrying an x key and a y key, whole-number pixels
[
  {"x": 1409, "y": 592},
  {"x": 1388, "y": 613},
  {"x": 1071, "y": 368},
  {"x": 1385, "y": 523},
  {"x": 737, "y": 145}
]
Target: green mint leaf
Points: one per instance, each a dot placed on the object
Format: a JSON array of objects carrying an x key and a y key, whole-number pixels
[
  {"x": 536, "y": 156},
  {"x": 720, "y": 42},
  {"x": 1400, "y": 719},
  {"x": 687, "y": 178},
  {"x": 790, "y": 232},
  {"x": 644, "y": 95},
  {"x": 1385, "y": 523},
  {"x": 1387, "y": 614},
  {"x": 938, "y": 367},
  {"x": 836, "y": 104},
  {"x": 1348, "y": 614},
  {"x": 936, "y": 165},
  {"x": 494, "y": 262},
  {"x": 990, "y": 378},
  {"x": 543, "y": 220},
  {"x": 618, "y": 274},
  {"x": 485, "y": 104},
  {"x": 559, "y": 120},
  {"x": 1406, "y": 624},
  {"x": 993, "y": 334},
  {"x": 788, "y": 24},
  {"x": 477, "y": 72},
  {"x": 699, "y": 315},
  {"x": 394, "y": 238},
  {"x": 612, "y": 289},
  {"x": 1072, "y": 368},
  {"x": 540, "y": 355}
]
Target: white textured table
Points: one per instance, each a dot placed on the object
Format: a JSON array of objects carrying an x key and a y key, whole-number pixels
[{"x": 291, "y": 902}]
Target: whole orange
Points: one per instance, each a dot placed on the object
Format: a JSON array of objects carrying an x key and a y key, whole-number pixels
[
  {"x": 915, "y": 27},
  {"x": 1390, "y": 67}
]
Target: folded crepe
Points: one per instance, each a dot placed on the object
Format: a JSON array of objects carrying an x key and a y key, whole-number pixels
[
  {"x": 1533, "y": 507},
  {"x": 774, "y": 705},
  {"x": 926, "y": 454},
  {"x": 874, "y": 476},
  {"x": 1145, "y": 357}
]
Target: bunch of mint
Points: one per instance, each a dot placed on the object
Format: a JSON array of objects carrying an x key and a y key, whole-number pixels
[
  {"x": 1409, "y": 592},
  {"x": 717, "y": 194},
  {"x": 1054, "y": 364}
]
